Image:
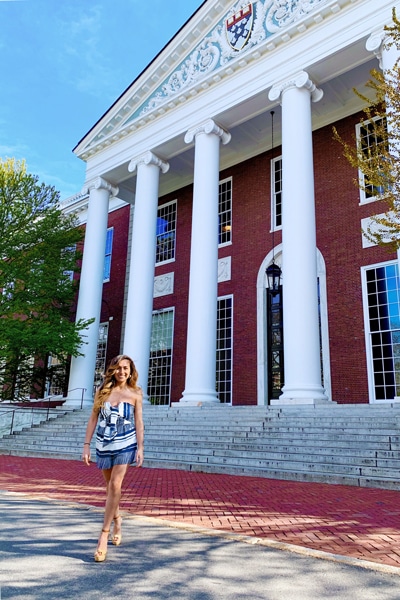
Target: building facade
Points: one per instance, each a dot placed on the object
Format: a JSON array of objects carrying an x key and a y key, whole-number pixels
[{"x": 218, "y": 165}]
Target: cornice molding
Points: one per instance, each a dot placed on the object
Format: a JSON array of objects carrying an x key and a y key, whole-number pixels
[{"x": 275, "y": 22}]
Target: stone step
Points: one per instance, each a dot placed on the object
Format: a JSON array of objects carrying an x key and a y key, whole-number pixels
[
  {"x": 176, "y": 437},
  {"x": 357, "y": 445}
]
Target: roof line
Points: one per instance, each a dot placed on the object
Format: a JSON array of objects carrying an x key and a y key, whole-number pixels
[{"x": 140, "y": 74}]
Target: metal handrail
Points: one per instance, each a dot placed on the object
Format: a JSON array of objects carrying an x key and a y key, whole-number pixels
[
  {"x": 12, "y": 410},
  {"x": 34, "y": 409},
  {"x": 83, "y": 391}
]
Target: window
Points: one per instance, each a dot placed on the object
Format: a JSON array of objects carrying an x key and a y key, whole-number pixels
[
  {"x": 275, "y": 343},
  {"x": 56, "y": 376},
  {"x": 70, "y": 250},
  {"x": 101, "y": 354},
  {"x": 370, "y": 140},
  {"x": 383, "y": 306},
  {"x": 107, "y": 258},
  {"x": 276, "y": 193},
  {"x": 225, "y": 212},
  {"x": 166, "y": 230},
  {"x": 160, "y": 365},
  {"x": 224, "y": 349}
]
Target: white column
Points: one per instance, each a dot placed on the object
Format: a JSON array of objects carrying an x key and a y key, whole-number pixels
[
  {"x": 137, "y": 335},
  {"x": 90, "y": 290},
  {"x": 203, "y": 284},
  {"x": 300, "y": 293}
]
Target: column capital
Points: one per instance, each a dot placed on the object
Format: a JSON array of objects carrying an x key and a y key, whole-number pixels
[
  {"x": 100, "y": 184},
  {"x": 375, "y": 44},
  {"x": 148, "y": 158},
  {"x": 300, "y": 80},
  {"x": 209, "y": 127}
]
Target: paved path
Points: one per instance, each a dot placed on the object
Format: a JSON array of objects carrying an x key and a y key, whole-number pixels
[
  {"x": 354, "y": 523},
  {"x": 46, "y": 553}
]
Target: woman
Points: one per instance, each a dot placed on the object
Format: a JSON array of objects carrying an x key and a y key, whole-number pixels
[{"x": 119, "y": 439}]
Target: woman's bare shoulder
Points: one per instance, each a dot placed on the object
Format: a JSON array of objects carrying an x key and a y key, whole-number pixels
[{"x": 134, "y": 396}]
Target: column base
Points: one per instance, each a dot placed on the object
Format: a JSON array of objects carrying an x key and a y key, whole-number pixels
[
  {"x": 78, "y": 402},
  {"x": 297, "y": 396},
  {"x": 201, "y": 398},
  {"x": 300, "y": 401}
]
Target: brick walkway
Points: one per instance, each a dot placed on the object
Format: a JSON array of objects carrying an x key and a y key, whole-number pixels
[{"x": 355, "y": 522}]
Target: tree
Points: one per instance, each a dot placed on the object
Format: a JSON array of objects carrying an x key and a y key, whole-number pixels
[
  {"x": 380, "y": 162},
  {"x": 38, "y": 257}
]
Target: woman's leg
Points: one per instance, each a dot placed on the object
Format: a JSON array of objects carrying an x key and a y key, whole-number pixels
[
  {"x": 113, "y": 478},
  {"x": 114, "y": 486}
]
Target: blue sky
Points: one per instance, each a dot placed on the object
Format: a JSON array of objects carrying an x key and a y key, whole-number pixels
[{"x": 63, "y": 63}]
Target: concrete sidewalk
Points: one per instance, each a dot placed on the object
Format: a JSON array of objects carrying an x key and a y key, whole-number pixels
[
  {"x": 46, "y": 553},
  {"x": 341, "y": 523}
]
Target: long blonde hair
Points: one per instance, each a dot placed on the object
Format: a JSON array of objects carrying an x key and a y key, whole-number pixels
[{"x": 108, "y": 384}]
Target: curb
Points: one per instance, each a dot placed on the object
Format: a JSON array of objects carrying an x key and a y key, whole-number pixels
[{"x": 233, "y": 537}]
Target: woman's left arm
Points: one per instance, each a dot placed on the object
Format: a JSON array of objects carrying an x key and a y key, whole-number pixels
[{"x": 139, "y": 429}]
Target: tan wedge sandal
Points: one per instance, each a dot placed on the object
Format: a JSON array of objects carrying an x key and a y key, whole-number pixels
[
  {"x": 117, "y": 537},
  {"x": 100, "y": 555}
]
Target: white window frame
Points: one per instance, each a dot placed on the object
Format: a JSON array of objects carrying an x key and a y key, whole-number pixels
[
  {"x": 160, "y": 208},
  {"x": 367, "y": 333},
  {"x": 274, "y": 193},
  {"x": 361, "y": 177},
  {"x": 228, "y": 296},
  {"x": 102, "y": 344},
  {"x": 158, "y": 312},
  {"x": 110, "y": 232},
  {"x": 223, "y": 181}
]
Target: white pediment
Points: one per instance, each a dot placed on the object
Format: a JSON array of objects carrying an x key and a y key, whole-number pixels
[{"x": 220, "y": 38}]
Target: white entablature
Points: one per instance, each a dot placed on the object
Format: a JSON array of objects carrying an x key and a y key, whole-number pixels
[{"x": 201, "y": 55}]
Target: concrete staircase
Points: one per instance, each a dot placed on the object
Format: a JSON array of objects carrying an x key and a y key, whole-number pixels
[{"x": 353, "y": 445}]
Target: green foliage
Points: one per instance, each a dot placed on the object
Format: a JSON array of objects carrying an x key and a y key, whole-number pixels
[
  {"x": 380, "y": 164},
  {"x": 37, "y": 257}
]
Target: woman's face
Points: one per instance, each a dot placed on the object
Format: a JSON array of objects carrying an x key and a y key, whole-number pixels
[{"x": 123, "y": 371}]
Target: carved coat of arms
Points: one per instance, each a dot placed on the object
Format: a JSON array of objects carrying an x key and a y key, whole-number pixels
[{"x": 238, "y": 27}]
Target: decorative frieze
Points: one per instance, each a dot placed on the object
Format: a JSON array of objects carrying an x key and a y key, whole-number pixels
[
  {"x": 163, "y": 285},
  {"x": 224, "y": 269},
  {"x": 246, "y": 25}
]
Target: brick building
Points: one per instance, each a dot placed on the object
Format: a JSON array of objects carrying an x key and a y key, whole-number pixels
[{"x": 215, "y": 165}]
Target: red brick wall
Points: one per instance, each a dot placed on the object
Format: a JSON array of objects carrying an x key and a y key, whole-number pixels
[
  {"x": 113, "y": 290},
  {"x": 339, "y": 215}
]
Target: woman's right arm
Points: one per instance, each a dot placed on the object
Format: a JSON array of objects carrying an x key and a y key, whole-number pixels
[{"x": 91, "y": 426}]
